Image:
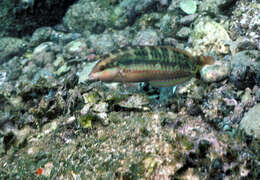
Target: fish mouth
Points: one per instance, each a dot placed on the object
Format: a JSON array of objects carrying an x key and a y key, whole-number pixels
[{"x": 92, "y": 76}]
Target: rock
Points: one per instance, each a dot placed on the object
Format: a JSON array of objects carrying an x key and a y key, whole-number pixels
[
  {"x": 188, "y": 6},
  {"x": 45, "y": 53},
  {"x": 10, "y": 47},
  {"x": 136, "y": 101},
  {"x": 22, "y": 135},
  {"x": 63, "y": 69},
  {"x": 251, "y": 122},
  {"x": 83, "y": 75},
  {"x": 209, "y": 36},
  {"x": 127, "y": 12},
  {"x": 147, "y": 37},
  {"x": 247, "y": 97},
  {"x": 215, "y": 6},
  {"x": 186, "y": 20},
  {"x": 245, "y": 67},
  {"x": 87, "y": 15},
  {"x": 41, "y": 35},
  {"x": 64, "y": 38},
  {"x": 122, "y": 38},
  {"x": 101, "y": 107},
  {"x": 102, "y": 43},
  {"x": 76, "y": 49},
  {"x": 164, "y": 2},
  {"x": 216, "y": 72},
  {"x": 183, "y": 33},
  {"x": 240, "y": 44},
  {"x": 168, "y": 24},
  {"x": 245, "y": 22}
]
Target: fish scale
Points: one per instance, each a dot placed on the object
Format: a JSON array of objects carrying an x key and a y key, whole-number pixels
[{"x": 163, "y": 64}]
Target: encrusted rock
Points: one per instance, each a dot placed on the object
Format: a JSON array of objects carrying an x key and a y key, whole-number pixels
[
  {"x": 245, "y": 69},
  {"x": 102, "y": 43},
  {"x": 11, "y": 47},
  {"x": 41, "y": 35},
  {"x": 87, "y": 15},
  {"x": 76, "y": 49},
  {"x": 45, "y": 53},
  {"x": 147, "y": 37},
  {"x": 184, "y": 33},
  {"x": 209, "y": 36},
  {"x": 251, "y": 122},
  {"x": 216, "y": 72}
]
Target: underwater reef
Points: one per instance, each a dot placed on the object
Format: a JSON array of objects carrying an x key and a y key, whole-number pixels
[{"x": 58, "y": 122}]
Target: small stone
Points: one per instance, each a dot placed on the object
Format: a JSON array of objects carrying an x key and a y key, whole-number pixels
[
  {"x": 251, "y": 122},
  {"x": 136, "y": 101},
  {"x": 164, "y": 2},
  {"x": 47, "y": 169},
  {"x": 101, "y": 107},
  {"x": 63, "y": 69},
  {"x": 226, "y": 127},
  {"x": 41, "y": 35},
  {"x": 216, "y": 72},
  {"x": 186, "y": 20},
  {"x": 83, "y": 75},
  {"x": 183, "y": 33},
  {"x": 76, "y": 49},
  {"x": 147, "y": 37},
  {"x": 45, "y": 53},
  {"x": 246, "y": 98},
  {"x": 245, "y": 69}
]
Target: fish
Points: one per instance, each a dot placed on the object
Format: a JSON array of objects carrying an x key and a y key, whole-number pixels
[{"x": 161, "y": 66}]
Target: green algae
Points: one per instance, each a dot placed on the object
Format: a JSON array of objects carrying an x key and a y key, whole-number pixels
[{"x": 86, "y": 121}]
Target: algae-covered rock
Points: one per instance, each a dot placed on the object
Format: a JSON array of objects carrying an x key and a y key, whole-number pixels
[
  {"x": 183, "y": 33},
  {"x": 63, "y": 69},
  {"x": 245, "y": 21},
  {"x": 251, "y": 122},
  {"x": 41, "y": 35},
  {"x": 245, "y": 69},
  {"x": 186, "y": 20},
  {"x": 10, "y": 47},
  {"x": 188, "y": 6},
  {"x": 102, "y": 43},
  {"x": 168, "y": 24},
  {"x": 128, "y": 10},
  {"x": 216, "y": 72},
  {"x": 136, "y": 102},
  {"x": 216, "y": 6},
  {"x": 87, "y": 15},
  {"x": 147, "y": 37},
  {"x": 76, "y": 49},
  {"x": 45, "y": 53},
  {"x": 209, "y": 36},
  {"x": 122, "y": 38},
  {"x": 85, "y": 121},
  {"x": 83, "y": 75}
]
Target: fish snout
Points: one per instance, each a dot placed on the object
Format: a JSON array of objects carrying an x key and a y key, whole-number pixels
[{"x": 92, "y": 76}]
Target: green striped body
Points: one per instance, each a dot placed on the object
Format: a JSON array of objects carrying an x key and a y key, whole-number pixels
[{"x": 159, "y": 65}]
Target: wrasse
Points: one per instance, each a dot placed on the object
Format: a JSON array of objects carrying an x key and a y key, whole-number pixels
[{"x": 161, "y": 66}]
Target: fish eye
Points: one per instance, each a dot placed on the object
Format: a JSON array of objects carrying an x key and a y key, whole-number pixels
[{"x": 102, "y": 67}]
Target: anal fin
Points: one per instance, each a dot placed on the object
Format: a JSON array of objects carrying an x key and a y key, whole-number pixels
[{"x": 168, "y": 83}]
